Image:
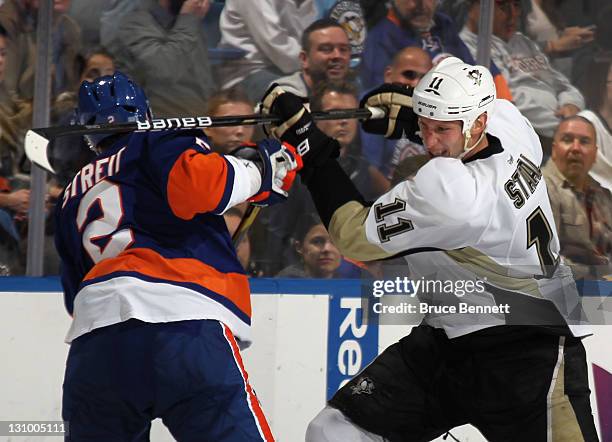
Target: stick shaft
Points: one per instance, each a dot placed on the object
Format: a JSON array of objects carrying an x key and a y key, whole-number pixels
[
  {"x": 245, "y": 223},
  {"x": 37, "y": 140},
  {"x": 191, "y": 123}
]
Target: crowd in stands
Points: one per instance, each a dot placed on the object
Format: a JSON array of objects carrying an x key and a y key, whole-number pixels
[{"x": 552, "y": 58}]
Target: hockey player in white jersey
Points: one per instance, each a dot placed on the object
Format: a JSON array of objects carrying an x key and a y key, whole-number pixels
[{"x": 477, "y": 211}]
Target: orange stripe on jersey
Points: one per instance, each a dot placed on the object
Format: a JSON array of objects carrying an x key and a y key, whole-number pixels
[
  {"x": 196, "y": 183},
  {"x": 233, "y": 286},
  {"x": 501, "y": 87},
  {"x": 254, "y": 405},
  {"x": 356, "y": 263},
  {"x": 393, "y": 17}
]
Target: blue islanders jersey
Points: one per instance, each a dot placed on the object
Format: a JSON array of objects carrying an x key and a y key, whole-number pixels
[{"x": 141, "y": 235}]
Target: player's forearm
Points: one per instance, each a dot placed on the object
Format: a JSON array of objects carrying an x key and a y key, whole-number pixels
[
  {"x": 331, "y": 188},
  {"x": 347, "y": 230},
  {"x": 343, "y": 211},
  {"x": 247, "y": 181}
]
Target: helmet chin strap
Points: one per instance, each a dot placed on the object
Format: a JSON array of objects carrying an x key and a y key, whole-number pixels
[{"x": 466, "y": 140}]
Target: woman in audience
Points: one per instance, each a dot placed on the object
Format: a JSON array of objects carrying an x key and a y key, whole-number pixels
[
  {"x": 233, "y": 101},
  {"x": 319, "y": 256}
]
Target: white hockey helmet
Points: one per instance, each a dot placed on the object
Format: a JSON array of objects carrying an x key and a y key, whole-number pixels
[{"x": 454, "y": 90}]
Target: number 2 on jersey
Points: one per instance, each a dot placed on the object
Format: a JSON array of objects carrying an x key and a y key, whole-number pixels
[{"x": 101, "y": 239}]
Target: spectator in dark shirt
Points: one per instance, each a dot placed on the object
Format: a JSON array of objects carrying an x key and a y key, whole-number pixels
[
  {"x": 331, "y": 96},
  {"x": 415, "y": 23}
]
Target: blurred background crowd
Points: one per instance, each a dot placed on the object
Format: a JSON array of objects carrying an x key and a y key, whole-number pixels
[{"x": 552, "y": 58}]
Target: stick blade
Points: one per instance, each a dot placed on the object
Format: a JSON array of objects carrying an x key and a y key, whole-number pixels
[{"x": 36, "y": 150}]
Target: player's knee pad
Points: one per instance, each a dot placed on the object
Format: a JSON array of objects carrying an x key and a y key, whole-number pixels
[{"x": 331, "y": 425}]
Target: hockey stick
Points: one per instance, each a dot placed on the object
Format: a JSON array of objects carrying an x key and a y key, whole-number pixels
[
  {"x": 37, "y": 140},
  {"x": 245, "y": 223}
]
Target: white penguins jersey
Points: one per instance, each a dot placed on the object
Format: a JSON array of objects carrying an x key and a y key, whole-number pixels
[{"x": 484, "y": 219}]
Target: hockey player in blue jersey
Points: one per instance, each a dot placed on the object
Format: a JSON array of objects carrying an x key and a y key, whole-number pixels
[{"x": 159, "y": 300}]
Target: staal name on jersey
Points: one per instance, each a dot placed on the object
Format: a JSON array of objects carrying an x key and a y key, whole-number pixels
[{"x": 523, "y": 181}]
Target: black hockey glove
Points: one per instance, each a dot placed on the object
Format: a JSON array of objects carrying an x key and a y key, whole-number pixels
[
  {"x": 298, "y": 129},
  {"x": 396, "y": 100}
]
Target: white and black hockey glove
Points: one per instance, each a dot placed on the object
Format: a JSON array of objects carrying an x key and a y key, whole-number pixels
[
  {"x": 278, "y": 165},
  {"x": 298, "y": 129},
  {"x": 400, "y": 119}
]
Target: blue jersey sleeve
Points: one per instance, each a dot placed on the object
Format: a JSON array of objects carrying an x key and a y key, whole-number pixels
[{"x": 193, "y": 178}]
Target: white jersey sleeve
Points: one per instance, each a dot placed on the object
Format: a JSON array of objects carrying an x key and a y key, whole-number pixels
[
  {"x": 512, "y": 127},
  {"x": 439, "y": 208}
]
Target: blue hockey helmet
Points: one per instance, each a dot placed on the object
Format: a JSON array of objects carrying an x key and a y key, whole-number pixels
[{"x": 111, "y": 99}]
